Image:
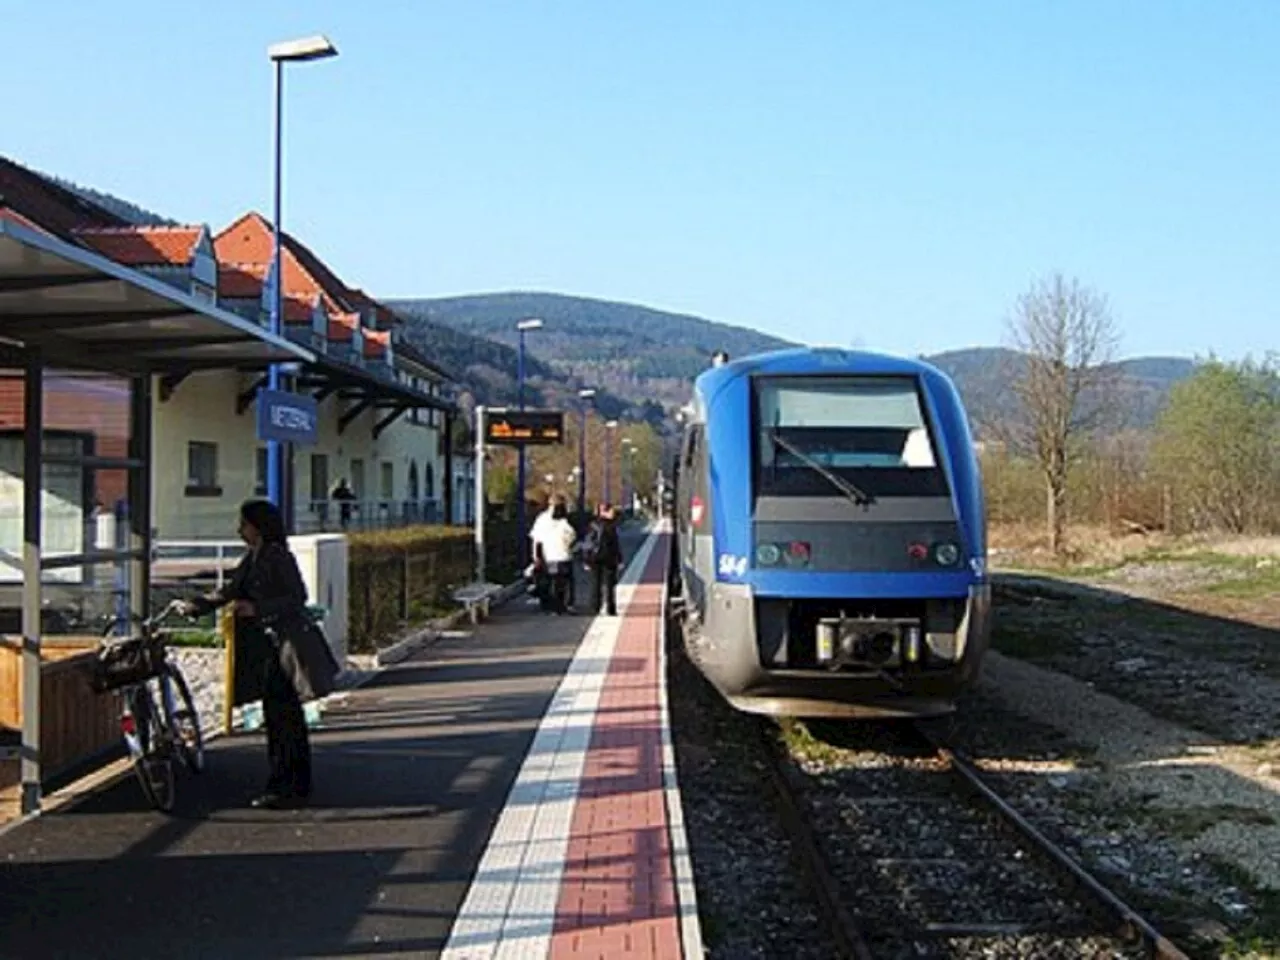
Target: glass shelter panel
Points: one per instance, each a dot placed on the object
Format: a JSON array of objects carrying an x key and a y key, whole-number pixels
[{"x": 85, "y": 509}]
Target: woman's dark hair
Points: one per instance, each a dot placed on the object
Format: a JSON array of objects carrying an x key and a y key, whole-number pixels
[{"x": 265, "y": 517}]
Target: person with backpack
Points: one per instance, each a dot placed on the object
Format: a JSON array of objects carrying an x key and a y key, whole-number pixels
[{"x": 602, "y": 552}]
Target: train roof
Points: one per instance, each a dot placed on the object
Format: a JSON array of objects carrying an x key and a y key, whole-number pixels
[{"x": 802, "y": 360}]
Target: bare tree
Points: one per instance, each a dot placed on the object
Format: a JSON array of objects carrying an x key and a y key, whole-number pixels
[{"x": 1067, "y": 339}]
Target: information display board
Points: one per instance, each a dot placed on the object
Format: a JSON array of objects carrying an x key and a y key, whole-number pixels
[{"x": 523, "y": 427}]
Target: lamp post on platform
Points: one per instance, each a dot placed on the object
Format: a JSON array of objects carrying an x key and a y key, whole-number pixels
[
  {"x": 290, "y": 51},
  {"x": 624, "y": 473},
  {"x": 585, "y": 395},
  {"x": 609, "y": 427},
  {"x": 522, "y": 327}
]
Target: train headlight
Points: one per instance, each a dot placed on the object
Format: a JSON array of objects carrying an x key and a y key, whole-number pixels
[
  {"x": 767, "y": 554},
  {"x": 947, "y": 554},
  {"x": 798, "y": 553}
]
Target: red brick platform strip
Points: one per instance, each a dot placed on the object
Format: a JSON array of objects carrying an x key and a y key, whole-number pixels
[{"x": 618, "y": 894}]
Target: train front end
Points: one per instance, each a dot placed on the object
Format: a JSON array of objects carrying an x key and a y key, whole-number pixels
[{"x": 848, "y": 538}]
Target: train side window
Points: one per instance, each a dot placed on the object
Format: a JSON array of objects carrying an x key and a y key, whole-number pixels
[{"x": 691, "y": 472}]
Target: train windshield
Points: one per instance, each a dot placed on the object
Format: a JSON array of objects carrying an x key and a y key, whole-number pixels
[{"x": 870, "y": 432}]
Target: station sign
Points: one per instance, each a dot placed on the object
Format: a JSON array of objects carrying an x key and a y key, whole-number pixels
[
  {"x": 523, "y": 427},
  {"x": 288, "y": 417}
]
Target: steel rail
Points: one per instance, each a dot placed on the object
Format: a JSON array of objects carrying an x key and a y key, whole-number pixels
[
  {"x": 844, "y": 929},
  {"x": 1134, "y": 925}
]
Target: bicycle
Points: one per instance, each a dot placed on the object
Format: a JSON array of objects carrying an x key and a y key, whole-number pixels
[{"x": 153, "y": 736}]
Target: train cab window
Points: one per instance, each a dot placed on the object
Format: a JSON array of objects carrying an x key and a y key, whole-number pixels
[{"x": 871, "y": 431}]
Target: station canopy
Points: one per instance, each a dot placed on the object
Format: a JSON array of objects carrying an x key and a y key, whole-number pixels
[{"x": 84, "y": 310}]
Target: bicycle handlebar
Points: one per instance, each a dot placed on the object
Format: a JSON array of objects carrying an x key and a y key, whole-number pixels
[{"x": 149, "y": 623}]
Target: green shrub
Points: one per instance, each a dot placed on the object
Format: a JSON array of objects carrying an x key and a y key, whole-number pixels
[{"x": 400, "y": 576}]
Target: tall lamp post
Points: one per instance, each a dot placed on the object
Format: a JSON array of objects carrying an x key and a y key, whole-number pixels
[
  {"x": 290, "y": 51},
  {"x": 522, "y": 327},
  {"x": 608, "y": 457},
  {"x": 624, "y": 472},
  {"x": 585, "y": 395}
]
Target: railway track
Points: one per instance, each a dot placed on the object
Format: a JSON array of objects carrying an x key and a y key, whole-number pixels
[{"x": 911, "y": 853}]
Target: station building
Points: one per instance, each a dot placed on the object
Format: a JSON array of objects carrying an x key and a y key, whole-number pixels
[{"x": 385, "y": 411}]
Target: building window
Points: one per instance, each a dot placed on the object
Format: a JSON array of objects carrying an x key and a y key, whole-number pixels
[
  {"x": 388, "y": 480},
  {"x": 260, "y": 473},
  {"x": 202, "y": 469},
  {"x": 319, "y": 477}
]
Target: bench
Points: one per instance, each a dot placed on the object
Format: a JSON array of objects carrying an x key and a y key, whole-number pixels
[{"x": 475, "y": 599}]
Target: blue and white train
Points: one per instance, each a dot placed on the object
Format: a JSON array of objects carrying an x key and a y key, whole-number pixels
[{"x": 830, "y": 554}]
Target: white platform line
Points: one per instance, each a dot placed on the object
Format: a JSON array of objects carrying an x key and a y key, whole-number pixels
[
  {"x": 510, "y": 907},
  {"x": 682, "y": 864}
]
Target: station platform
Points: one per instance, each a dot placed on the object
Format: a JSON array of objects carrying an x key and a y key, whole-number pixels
[{"x": 507, "y": 792}]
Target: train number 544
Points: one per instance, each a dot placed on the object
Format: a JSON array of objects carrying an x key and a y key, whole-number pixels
[{"x": 732, "y": 566}]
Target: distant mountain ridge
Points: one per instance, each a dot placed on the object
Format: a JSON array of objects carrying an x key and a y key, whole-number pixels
[
  {"x": 640, "y": 360},
  {"x": 645, "y": 360}
]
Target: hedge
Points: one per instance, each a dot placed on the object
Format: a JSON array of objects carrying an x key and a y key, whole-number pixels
[{"x": 407, "y": 575}]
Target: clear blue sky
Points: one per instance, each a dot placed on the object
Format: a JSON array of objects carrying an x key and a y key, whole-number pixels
[{"x": 892, "y": 174}]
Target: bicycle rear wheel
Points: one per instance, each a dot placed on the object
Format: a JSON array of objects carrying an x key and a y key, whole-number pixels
[
  {"x": 182, "y": 717},
  {"x": 154, "y": 765}
]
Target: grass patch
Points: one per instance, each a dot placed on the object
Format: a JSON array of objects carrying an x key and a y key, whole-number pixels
[
  {"x": 1256, "y": 583},
  {"x": 1261, "y": 935},
  {"x": 803, "y": 745},
  {"x": 197, "y": 637}
]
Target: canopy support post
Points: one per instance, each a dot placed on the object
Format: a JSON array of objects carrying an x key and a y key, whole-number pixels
[{"x": 32, "y": 575}]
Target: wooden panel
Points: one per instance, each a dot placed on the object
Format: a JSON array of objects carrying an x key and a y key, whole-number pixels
[
  {"x": 75, "y": 722},
  {"x": 10, "y": 789}
]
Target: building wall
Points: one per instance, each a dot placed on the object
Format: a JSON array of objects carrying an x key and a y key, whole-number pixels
[
  {"x": 202, "y": 409},
  {"x": 406, "y": 444}
]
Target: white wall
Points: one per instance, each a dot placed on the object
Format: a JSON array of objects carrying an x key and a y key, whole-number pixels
[{"x": 203, "y": 408}]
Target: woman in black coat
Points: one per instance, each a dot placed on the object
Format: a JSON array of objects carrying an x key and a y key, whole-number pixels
[{"x": 270, "y": 603}]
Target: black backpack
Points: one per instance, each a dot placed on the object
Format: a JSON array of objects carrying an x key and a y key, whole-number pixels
[{"x": 591, "y": 544}]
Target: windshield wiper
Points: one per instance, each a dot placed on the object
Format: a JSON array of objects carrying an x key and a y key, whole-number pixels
[{"x": 858, "y": 496}]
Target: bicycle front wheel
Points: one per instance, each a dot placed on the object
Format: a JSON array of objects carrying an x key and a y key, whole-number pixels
[
  {"x": 154, "y": 765},
  {"x": 182, "y": 718}
]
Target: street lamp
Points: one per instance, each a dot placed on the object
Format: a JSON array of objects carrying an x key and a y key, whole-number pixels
[
  {"x": 522, "y": 327},
  {"x": 585, "y": 395},
  {"x": 624, "y": 471},
  {"x": 289, "y": 51},
  {"x": 608, "y": 455}
]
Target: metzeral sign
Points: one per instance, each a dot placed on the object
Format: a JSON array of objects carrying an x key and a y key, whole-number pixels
[{"x": 288, "y": 417}]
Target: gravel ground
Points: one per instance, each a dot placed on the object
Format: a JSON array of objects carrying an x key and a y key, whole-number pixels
[
  {"x": 918, "y": 856},
  {"x": 1215, "y": 675},
  {"x": 752, "y": 900},
  {"x": 1183, "y": 830}
]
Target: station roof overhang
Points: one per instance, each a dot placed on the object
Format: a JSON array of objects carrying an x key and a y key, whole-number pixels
[
  {"x": 327, "y": 375},
  {"x": 85, "y": 311}
]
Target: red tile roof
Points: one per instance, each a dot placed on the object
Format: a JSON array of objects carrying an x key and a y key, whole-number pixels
[
  {"x": 342, "y": 326},
  {"x": 240, "y": 281},
  {"x": 376, "y": 342},
  {"x": 243, "y": 281},
  {"x": 13, "y": 216},
  {"x": 250, "y": 240},
  {"x": 138, "y": 246}
]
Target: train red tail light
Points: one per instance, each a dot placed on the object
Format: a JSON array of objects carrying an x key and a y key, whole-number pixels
[
  {"x": 127, "y": 725},
  {"x": 696, "y": 510},
  {"x": 917, "y": 551},
  {"x": 799, "y": 551}
]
